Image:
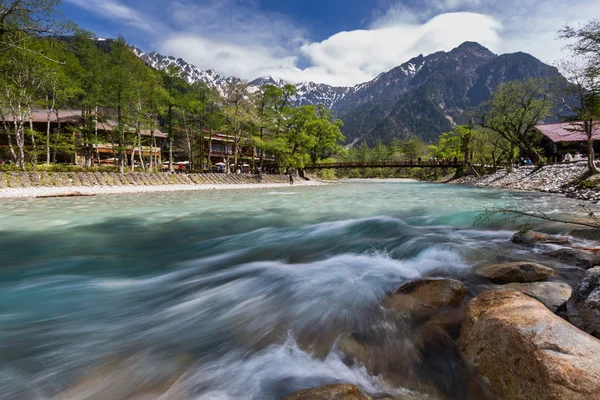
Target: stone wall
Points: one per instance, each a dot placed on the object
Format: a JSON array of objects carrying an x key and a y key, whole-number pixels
[{"x": 66, "y": 179}]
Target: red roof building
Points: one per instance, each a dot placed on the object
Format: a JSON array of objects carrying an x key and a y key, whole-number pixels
[
  {"x": 567, "y": 137},
  {"x": 567, "y": 132}
]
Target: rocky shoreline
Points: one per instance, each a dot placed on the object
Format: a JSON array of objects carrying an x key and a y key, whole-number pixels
[
  {"x": 67, "y": 184},
  {"x": 557, "y": 178},
  {"x": 518, "y": 329}
]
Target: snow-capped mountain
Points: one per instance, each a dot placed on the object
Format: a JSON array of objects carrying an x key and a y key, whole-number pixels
[
  {"x": 423, "y": 97},
  {"x": 308, "y": 92}
]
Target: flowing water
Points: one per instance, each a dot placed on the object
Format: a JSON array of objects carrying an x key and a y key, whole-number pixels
[{"x": 239, "y": 294}]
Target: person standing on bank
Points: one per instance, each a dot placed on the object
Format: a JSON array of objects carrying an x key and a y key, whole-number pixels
[{"x": 291, "y": 179}]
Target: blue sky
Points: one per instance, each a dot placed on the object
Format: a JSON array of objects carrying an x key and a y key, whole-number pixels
[{"x": 340, "y": 42}]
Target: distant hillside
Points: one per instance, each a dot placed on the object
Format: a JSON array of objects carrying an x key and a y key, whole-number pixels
[{"x": 423, "y": 97}]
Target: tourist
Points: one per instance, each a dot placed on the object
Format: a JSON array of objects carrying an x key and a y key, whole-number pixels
[
  {"x": 455, "y": 160},
  {"x": 419, "y": 160},
  {"x": 578, "y": 157},
  {"x": 291, "y": 179},
  {"x": 181, "y": 168},
  {"x": 568, "y": 157}
]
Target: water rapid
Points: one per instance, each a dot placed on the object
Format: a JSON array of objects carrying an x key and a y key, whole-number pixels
[{"x": 239, "y": 294}]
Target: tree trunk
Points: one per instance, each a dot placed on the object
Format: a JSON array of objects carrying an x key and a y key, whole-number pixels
[
  {"x": 170, "y": 114},
  {"x": 49, "y": 110},
  {"x": 33, "y": 143},
  {"x": 96, "y": 135},
  {"x": 591, "y": 156},
  {"x": 58, "y": 134},
  {"x": 9, "y": 136},
  {"x": 171, "y": 155}
]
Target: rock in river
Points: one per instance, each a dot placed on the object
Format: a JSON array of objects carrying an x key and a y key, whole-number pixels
[
  {"x": 520, "y": 272},
  {"x": 531, "y": 237},
  {"x": 427, "y": 294},
  {"x": 329, "y": 392},
  {"x": 526, "y": 352},
  {"x": 552, "y": 294},
  {"x": 584, "y": 306},
  {"x": 575, "y": 257}
]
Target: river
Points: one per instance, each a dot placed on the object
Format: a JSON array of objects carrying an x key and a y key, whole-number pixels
[{"x": 237, "y": 294}]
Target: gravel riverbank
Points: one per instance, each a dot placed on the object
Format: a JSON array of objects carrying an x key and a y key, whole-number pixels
[
  {"x": 32, "y": 184},
  {"x": 559, "y": 178}
]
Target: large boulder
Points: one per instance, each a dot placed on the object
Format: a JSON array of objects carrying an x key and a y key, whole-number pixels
[
  {"x": 531, "y": 237},
  {"x": 526, "y": 352},
  {"x": 583, "y": 307},
  {"x": 426, "y": 294},
  {"x": 575, "y": 257},
  {"x": 520, "y": 272},
  {"x": 586, "y": 233},
  {"x": 329, "y": 392},
  {"x": 552, "y": 294}
]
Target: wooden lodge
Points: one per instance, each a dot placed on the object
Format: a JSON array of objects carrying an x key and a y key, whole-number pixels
[
  {"x": 70, "y": 122},
  {"x": 558, "y": 139}
]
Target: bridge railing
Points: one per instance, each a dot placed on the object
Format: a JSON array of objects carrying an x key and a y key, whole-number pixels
[{"x": 386, "y": 164}]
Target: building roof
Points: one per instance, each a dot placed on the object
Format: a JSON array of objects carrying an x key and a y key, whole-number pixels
[
  {"x": 73, "y": 117},
  {"x": 567, "y": 132}
]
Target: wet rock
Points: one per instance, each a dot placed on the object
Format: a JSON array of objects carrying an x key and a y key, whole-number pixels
[
  {"x": 520, "y": 272},
  {"x": 138, "y": 377},
  {"x": 531, "y": 237},
  {"x": 330, "y": 392},
  {"x": 586, "y": 233},
  {"x": 575, "y": 257},
  {"x": 525, "y": 351},
  {"x": 583, "y": 308},
  {"x": 594, "y": 270},
  {"x": 552, "y": 294},
  {"x": 427, "y": 294}
]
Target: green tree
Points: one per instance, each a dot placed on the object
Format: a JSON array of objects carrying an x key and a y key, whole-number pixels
[
  {"x": 514, "y": 111},
  {"x": 294, "y": 142},
  {"x": 21, "y": 19},
  {"x": 268, "y": 102},
  {"x": 327, "y": 134},
  {"x": 175, "y": 87},
  {"x": 120, "y": 85},
  {"x": 23, "y": 76},
  {"x": 414, "y": 148},
  {"x": 581, "y": 97},
  {"x": 239, "y": 115}
]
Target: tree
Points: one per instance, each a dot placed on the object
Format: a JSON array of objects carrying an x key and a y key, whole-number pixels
[
  {"x": 23, "y": 19},
  {"x": 92, "y": 81},
  {"x": 413, "y": 148},
  {"x": 514, "y": 111},
  {"x": 174, "y": 89},
  {"x": 587, "y": 42},
  {"x": 267, "y": 105},
  {"x": 23, "y": 77},
  {"x": 327, "y": 134},
  {"x": 295, "y": 140},
  {"x": 120, "y": 92},
  {"x": 581, "y": 96},
  {"x": 239, "y": 115}
]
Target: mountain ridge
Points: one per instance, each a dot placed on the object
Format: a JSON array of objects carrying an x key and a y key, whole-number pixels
[{"x": 424, "y": 96}]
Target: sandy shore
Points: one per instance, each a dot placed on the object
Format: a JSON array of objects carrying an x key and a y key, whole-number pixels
[{"x": 46, "y": 191}]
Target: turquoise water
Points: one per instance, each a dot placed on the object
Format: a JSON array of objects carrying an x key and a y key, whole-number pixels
[{"x": 233, "y": 294}]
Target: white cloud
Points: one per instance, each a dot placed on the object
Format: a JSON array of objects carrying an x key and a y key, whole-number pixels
[
  {"x": 114, "y": 10},
  {"x": 235, "y": 37},
  {"x": 357, "y": 56},
  {"x": 346, "y": 58},
  {"x": 226, "y": 58}
]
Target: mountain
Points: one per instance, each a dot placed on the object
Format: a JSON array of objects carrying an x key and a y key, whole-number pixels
[
  {"x": 429, "y": 95},
  {"x": 423, "y": 97}
]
